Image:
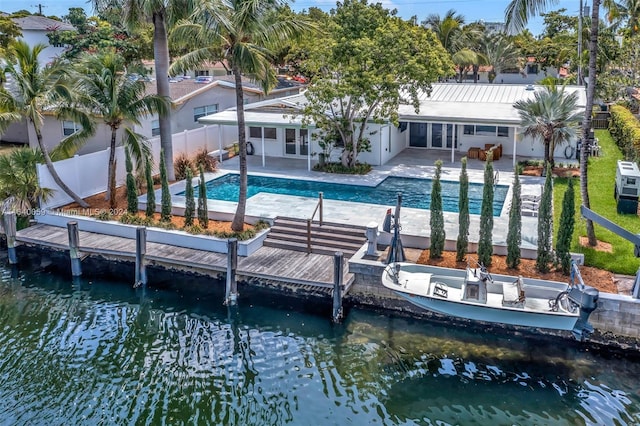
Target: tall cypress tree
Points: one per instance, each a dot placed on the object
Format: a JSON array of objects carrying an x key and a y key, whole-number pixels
[
  {"x": 132, "y": 189},
  {"x": 545, "y": 225},
  {"x": 437, "y": 217},
  {"x": 151, "y": 195},
  {"x": 514, "y": 235},
  {"x": 190, "y": 202},
  {"x": 165, "y": 206},
  {"x": 485, "y": 242},
  {"x": 565, "y": 230},
  {"x": 463, "y": 219},
  {"x": 203, "y": 212}
]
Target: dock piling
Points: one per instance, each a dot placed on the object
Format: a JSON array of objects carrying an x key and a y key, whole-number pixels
[
  {"x": 141, "y": 251},
  {"x": 74, "y": 252},
  {"x": 10, "y": 226},
  {"x": 231, "y": 293},
  {"x": 337, "y": 287}
]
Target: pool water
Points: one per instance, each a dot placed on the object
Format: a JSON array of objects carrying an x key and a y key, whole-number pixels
[{"x": 416, "y": 193}]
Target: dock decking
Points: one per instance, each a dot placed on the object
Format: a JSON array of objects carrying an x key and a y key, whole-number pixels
[{"x": 268, "y": 265}]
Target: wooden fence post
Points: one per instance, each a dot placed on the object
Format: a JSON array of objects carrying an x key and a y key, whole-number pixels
[
  {"x": 337, "y": 287},
  {"x": 231, "y": 291},
  {"x": 74, "y": 252},
  {"x": 10, "y": 229},
  {"x": 141, "y": 249}
]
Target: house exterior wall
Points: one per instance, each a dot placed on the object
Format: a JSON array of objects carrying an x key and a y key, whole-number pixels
[
  {"x": 33, "y": 37},
  {"x": 525, "y": 146},
  {"x": 513, "y": 78},
  {"x": 16, "y": 133}
]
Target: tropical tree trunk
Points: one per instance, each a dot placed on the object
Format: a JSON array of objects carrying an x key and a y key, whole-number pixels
[
  {"x": 547, "y": 150},
  {"x": 161, "y": 57},
  {"x": 238, "y": 219},
  {"x": 586, "y": 124},
  {"x": 111, "y": 174},
  {"x": 54, "y": 174}
]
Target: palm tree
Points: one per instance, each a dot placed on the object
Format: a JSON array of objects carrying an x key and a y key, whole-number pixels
[
  {"x": 162, "y": 14},
  {"x": 242, "y": 33},
  {"x": 517, "y": 14},
  {"x": 464, "y": 59},
  {"x": 35, "y": 90},
  {"x": 121, "y": 102},
  {"x": 447, "y": 28},
  {"x": 500, "y": 53},
  {"x": 551, "y": 115},
  {"x": 625, "y": 11},
  {"x": 19, "y": 185}
]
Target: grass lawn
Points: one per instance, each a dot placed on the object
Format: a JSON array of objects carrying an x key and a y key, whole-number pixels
[{"x": 601, "y": 175}]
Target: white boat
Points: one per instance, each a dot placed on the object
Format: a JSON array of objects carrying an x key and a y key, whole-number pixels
[{"x": 474, "y": 294}]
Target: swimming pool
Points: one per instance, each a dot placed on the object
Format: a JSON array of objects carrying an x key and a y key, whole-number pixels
[{"x": 416, "y": 193}]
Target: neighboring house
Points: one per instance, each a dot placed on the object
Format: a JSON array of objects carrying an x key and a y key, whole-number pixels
[
  {"x": 34, "y": 31},
  {"x": 531, "y": 73},
  {"x": 457, "y": 119},
  {"x": 207, "y": 69},
  {"x": 191, "y": 100}
]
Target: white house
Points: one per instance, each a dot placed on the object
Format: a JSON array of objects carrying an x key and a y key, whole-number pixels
[
  {"x": 457, "y": 119},
  {"x": 34, "y": 31}
]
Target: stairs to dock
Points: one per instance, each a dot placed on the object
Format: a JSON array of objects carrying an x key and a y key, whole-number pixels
[{"x": 291, "y": 234}]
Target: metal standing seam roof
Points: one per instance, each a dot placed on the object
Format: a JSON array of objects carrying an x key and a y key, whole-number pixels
[{"x": 448, "y": 102}]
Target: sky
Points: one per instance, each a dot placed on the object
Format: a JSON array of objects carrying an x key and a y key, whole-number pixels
[{"x": 472, "y": 10}]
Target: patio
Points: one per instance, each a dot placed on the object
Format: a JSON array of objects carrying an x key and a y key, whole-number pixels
[{"x": 414, "y": 163}]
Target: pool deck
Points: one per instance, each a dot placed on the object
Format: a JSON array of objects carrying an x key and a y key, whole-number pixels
[{"x": 413, "y": 163}]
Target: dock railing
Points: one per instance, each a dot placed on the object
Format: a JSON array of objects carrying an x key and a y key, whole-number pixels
[{"x": 318, "y": 209}]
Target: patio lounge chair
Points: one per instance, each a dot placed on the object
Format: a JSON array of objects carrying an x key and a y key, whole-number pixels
[{"x": 530, "y": 204}]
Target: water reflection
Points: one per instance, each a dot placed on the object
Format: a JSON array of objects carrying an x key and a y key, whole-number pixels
[{"x": 96, "y": 352}]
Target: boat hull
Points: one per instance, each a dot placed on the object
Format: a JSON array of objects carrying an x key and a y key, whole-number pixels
[
  {"x": 473, "y": 312},
  {"x": 464, "y": 294}
]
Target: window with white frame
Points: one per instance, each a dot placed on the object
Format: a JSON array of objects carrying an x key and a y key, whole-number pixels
[
  {"x": 481, "y": 130},
  {"x": 204, "y": 110},
  {"x": 69, "y": 128},
  {"x": 155, "y": 127}
]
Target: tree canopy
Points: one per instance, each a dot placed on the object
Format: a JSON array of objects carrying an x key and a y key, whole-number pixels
[{"x": 374, "y": 62}]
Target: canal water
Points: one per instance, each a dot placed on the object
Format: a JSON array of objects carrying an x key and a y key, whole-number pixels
[{"x": 100, "y": 352}]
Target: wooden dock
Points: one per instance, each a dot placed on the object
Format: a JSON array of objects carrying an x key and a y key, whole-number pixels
[{"x": 271, "y": 267}]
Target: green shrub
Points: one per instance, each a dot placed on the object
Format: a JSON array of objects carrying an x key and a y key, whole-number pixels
[
  {"x": 133, "y": 219},
  {"x": 165, "y": 206},
  {"x": 625, "y": 130},
  {"x": 193, "y": 229},
  {"x": 485, "y": 241},
  {"x": 545, "y": 225},
  {"x": 151, "y": 196},
  {"x": 514, "y": 235},
  {"x": 165, "y": 225},
  {"x": 189, "y": 202},
  {"x": 436, "y": 220},
  {"x": 338, "y": 168},
  {"x": 103, "y": 215},
  {"x": 462, "y": 242},
  {"x": 565, "y": 229},
  {"x": 203, "y": 211}
]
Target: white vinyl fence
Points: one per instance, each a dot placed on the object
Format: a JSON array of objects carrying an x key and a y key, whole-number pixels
[{"x": 86, "y": 175}]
